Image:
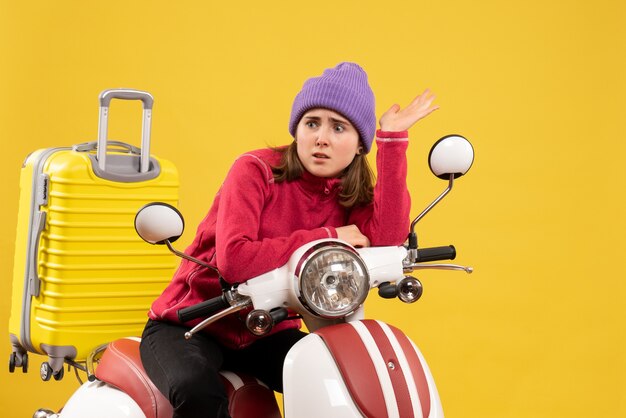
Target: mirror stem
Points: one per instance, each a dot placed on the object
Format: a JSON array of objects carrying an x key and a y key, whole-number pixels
[
  {"x": 432, "y": 205},
  {"x": 412, "y": 235},
  {"x": 190, "y": 258}
]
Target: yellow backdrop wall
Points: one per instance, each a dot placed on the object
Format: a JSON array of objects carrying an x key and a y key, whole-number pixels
[{"x": 538, "y": 87}]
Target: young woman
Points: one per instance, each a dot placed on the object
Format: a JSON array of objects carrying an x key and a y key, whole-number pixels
[{"x": 272, "y": 202}]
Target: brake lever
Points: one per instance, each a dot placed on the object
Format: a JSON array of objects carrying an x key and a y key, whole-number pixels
[
  {"x": 413, "y": 266},
  {"x": 238, "y": 305}
]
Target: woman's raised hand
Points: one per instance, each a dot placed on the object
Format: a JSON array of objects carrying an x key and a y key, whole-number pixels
[
  {"x": 397, "y": 120},
  {"x": 353, "y": 236}
]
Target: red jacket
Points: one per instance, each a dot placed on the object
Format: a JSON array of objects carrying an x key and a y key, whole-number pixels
[{"x": 255, "y": 224}]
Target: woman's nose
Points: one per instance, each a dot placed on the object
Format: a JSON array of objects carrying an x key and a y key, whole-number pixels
[{"x": 322, "y": 137}]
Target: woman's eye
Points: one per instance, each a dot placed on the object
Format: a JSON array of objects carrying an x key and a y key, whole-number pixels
[
  {"x": 339, "y": 128},
  {"x": 311, "y": 124}
]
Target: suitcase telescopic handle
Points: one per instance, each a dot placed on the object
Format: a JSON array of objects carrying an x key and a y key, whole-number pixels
[
  {"x": 126, "y": 94},
  {"x": 103, "y": 124}
]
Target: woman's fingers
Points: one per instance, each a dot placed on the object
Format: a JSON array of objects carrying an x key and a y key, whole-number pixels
[
  {"x": 401, "y": 119},
  {"x": 353, "y": 236}
]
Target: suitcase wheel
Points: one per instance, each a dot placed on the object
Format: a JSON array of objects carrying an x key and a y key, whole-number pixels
[
  {"x": 46, "y": 372},
  {"x": 24, "y": 362},
  {"x": 12, "y": 362},
  {"x": 59, "y": 375},
  {"x": 15, "y": 361}
]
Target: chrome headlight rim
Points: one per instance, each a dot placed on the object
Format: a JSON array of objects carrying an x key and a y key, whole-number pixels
[{"x": 311, "y": 254}]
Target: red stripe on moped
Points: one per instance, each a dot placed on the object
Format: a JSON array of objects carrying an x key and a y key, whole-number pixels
[
  {"x": 419, "y": 376},
  {"x": 356, "y": 368},
  {"x": 394, "y": 368}
]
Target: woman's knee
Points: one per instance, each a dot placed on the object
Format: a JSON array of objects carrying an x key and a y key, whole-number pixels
[
  {"x": 199, "y": 395},
  {"x": 186, "y": 373}
]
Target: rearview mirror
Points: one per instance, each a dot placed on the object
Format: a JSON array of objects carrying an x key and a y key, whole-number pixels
[
  {"x": 452, "y": 154},
  {"x": 158, "y": 223}
]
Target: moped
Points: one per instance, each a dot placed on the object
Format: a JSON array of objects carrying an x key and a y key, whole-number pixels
[{"x": 347, "y": 366}]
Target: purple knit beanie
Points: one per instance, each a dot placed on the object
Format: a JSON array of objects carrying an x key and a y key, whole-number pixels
[{"x": 343, "y": 89}]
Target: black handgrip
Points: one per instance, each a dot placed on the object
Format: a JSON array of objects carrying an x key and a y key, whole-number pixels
[
  {"x": 436, "y": 253},
  {"x": 206, "y": 308}
]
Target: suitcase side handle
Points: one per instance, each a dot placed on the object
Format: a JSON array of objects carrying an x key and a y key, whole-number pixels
[
  {"x": 103, "y": 124},
  {"x": 93, "y": 146},
  {"x": 34, "y": 282}
]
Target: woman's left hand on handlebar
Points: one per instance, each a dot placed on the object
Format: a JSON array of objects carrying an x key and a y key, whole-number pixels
[{"x": 397, "y": 119}]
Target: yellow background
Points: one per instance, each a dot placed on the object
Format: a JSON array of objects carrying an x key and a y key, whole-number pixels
[{"x": 538, "y": 87}]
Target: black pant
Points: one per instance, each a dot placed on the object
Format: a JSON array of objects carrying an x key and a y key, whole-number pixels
[{"x": 186, "y": 371}]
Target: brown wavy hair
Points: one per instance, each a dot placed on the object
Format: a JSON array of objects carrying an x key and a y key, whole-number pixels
[{"x": 357, "y": 180}]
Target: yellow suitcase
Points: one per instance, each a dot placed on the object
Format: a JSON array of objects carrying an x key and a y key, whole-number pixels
[{"x": 82, "y": 277}]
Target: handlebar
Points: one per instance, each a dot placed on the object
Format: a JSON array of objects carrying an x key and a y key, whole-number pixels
[
  {"x": 436, "y": 253},
  {"x": 211, "y": 306},
  {"x": 206, "y": 308}
]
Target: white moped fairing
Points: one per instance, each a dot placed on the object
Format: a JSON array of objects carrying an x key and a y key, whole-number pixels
[
  {"x": 361, "y": 368},
  {"x": 100, "y": 400}
]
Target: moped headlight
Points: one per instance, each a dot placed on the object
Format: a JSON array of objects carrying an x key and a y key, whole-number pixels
[{"x": 332, "y": 280}]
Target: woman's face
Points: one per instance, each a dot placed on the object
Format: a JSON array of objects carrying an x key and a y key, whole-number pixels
[{"x": 326, "y": 142}]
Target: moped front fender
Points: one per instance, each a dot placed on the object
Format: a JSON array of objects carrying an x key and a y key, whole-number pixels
[{"x": 357, "y": 369}]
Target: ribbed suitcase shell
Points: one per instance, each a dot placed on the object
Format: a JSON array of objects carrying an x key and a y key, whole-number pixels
[
  {"x": 97, "y": 277},
  {"x": 82, "y": 276}
]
